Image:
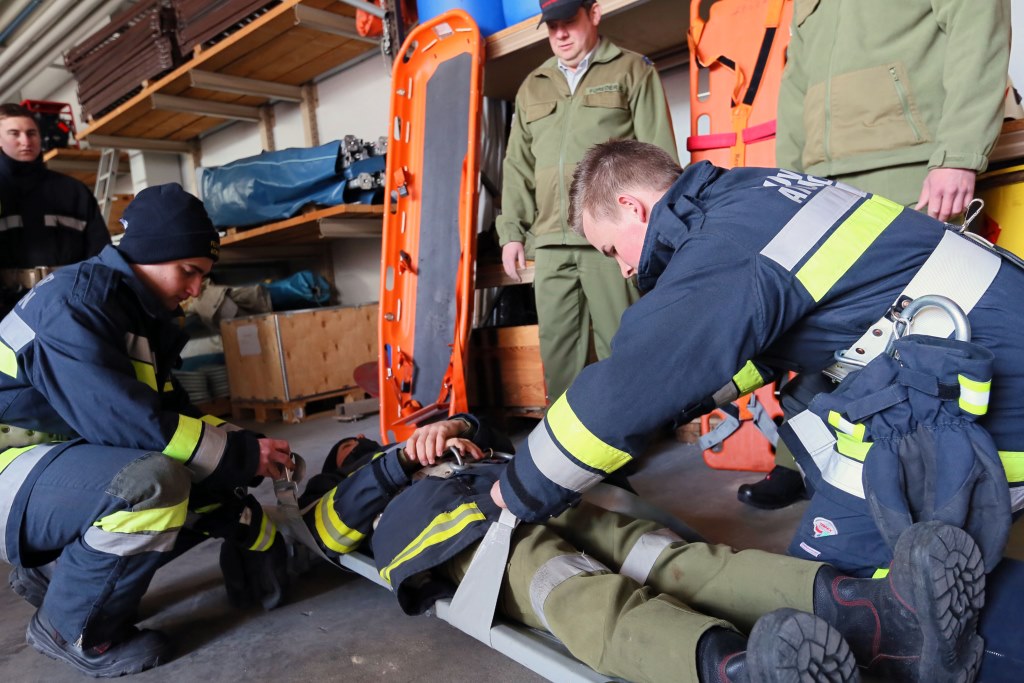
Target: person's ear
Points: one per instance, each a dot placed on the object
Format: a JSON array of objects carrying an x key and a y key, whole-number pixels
[
  {"x": 634, "y": 207},
  {"x": 595, "y": 14}
]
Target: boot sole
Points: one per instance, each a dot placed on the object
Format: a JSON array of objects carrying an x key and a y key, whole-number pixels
[
  {"x": 39, "y": 637},
  {"x": 31, "y": 589},
  {"x": 944, "y": 583},
  {"x": 789, "y": 646}
]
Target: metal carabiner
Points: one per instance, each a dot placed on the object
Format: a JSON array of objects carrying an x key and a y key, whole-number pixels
[{"x": 902, "y": 320}]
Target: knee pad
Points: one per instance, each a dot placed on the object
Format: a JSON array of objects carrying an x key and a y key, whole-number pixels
[{"x": 152, "y": 481}]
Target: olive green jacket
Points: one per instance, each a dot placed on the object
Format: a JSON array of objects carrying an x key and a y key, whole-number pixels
[
  {"x": 620, "y": 96},
  {"x": 878, "y": 83}
]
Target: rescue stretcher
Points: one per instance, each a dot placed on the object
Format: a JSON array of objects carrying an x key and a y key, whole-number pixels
[
  {"x": 428, "y": 252},
  {"x": 472, "y": 608}
]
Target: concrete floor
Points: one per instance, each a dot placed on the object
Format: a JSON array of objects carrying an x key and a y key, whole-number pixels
[{"x": 338, "y": 626}]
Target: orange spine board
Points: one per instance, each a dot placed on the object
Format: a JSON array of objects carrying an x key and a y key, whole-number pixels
[
  {"x": 723, "y": 130},
  {"x": 430, "y": 44}
]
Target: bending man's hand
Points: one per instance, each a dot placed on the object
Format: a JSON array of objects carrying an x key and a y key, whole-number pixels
[
  {"x": 427, "y": 443},
  {"x": 275, "y": 457},
  {"x": 946, "y": 192},
  {"x": 513, "y": 257}
]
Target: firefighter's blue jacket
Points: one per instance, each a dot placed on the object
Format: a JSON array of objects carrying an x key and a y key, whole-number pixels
[
  {"x": 88, "y": 353},
  {"x": 412, "y": 527},
  {"x": 762, "y": 265}
]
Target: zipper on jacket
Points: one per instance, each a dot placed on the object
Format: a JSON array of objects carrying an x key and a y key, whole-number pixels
[{"x": 904, "y": 103}]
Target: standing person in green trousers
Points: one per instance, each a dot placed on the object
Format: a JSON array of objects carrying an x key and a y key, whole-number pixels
[{"x": 590, "y": 91}]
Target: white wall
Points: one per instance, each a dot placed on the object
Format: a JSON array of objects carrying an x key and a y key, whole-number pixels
[{"x": 676, "y": 82}]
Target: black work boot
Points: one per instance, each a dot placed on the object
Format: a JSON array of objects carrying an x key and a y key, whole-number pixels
[
  {"x": 920, "y": 622},
  {"x": 30, "y": 583},
  {"x": 780, "y": 488},
  {"x": 136, "y": 650},
  {"x": 785, "y": 646}
]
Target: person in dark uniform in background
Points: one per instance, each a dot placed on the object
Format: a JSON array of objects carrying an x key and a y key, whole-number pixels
[{"x": 47, "y": 219}]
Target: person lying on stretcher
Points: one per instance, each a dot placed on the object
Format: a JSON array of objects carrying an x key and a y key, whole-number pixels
[{"x": 630, "y": 598}]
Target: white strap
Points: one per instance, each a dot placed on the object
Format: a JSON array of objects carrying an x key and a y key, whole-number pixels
[
  {"x": 763, "y": 421},
  {"x": 474, "y": 602},
  {"x": 958, "y": 269},
  {"x": 287, "y": 515}
]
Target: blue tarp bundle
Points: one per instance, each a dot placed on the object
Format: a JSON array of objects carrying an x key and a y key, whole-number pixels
[{"x": 276, "y": 185}]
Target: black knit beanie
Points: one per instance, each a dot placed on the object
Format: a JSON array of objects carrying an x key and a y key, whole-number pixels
[{"x": 164, "y": 223}]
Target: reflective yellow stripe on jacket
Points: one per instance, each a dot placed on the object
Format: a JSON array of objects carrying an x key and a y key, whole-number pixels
[
  {"x": 441, "y": 528},
  {"x": 199, "y": 446},
  {"x": 562, "y": 432}
]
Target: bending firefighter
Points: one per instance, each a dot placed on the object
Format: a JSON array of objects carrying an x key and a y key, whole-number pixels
[
  {"x": 768, "y": 266},
  {"x": 105, "y": 464},
  {"x": 630, "y": 598}
]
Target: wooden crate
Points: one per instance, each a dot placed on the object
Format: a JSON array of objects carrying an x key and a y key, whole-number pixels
[
  {"x": 298, "y": 354},
  {"x": 506, "y": 369}
]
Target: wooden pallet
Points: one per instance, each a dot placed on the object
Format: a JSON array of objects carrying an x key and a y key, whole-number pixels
[
  {"x": 295, "y": 411},
  {"x": 220, "y": 406}
]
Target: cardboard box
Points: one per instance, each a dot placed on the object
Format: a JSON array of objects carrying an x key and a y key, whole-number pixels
[{"x": 298, "y": 354}]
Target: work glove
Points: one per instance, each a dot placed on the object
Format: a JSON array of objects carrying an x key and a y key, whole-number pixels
[{"x": 255, "y": 563}]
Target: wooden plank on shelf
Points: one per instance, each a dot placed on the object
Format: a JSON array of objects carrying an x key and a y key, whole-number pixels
[
  {"x": 304, "y": 229},
  {"x": 273, "y": 47},
  {"x": 80, "y": 164},
  {"x": 1010, "y": 143}
]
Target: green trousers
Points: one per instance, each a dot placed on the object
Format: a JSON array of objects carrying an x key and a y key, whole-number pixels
[
  {"x": 562, "y": 577},
  {"x": 576, "y": 287},
  {"x": 901, "y": 184}
]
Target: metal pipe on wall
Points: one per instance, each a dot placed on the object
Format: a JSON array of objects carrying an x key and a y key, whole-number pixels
[
  {"x": 22, "y": 10},
  {"x": 39, "y": 26},
  {"x": 69, "y": 28}
]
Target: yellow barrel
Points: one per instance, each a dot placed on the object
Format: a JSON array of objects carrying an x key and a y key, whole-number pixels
[{"x": 1003, "y": 192}]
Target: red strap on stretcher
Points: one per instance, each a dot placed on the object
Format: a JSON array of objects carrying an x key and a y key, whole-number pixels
[{"x": 762, "y": 131}]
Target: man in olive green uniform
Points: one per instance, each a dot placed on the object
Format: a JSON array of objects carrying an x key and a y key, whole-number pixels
[
  {"x": 589, "y": 92},
  {"x": 902, "y": 99}
]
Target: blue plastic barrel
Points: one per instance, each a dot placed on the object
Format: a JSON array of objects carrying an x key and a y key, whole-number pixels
[
  {"x": 519, "y": 10},
  {"x": 487, "y": 14}
]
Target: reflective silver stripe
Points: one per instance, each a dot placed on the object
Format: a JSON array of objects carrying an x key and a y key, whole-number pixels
[
  {"x": 1017, "y": 498},
  {"x": 208, "y": 453},
  {"x": 809, "y": 225},
  {"x": 16, "y": 332},
  {"x": 53, "y": 221},
  {"x": 124, "y": 545},
  {"x": 645, "y": 552},
  {"x": 836, "y": 469},
  {"x": 554, "y": 573},
  {"x": 957, "y": 269},
  {"x": 139, "y": 349},
  {"x": 11, "y": 480},
  {"x": 555, "y": 465},
  {"x": 10, "y": 222}
]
